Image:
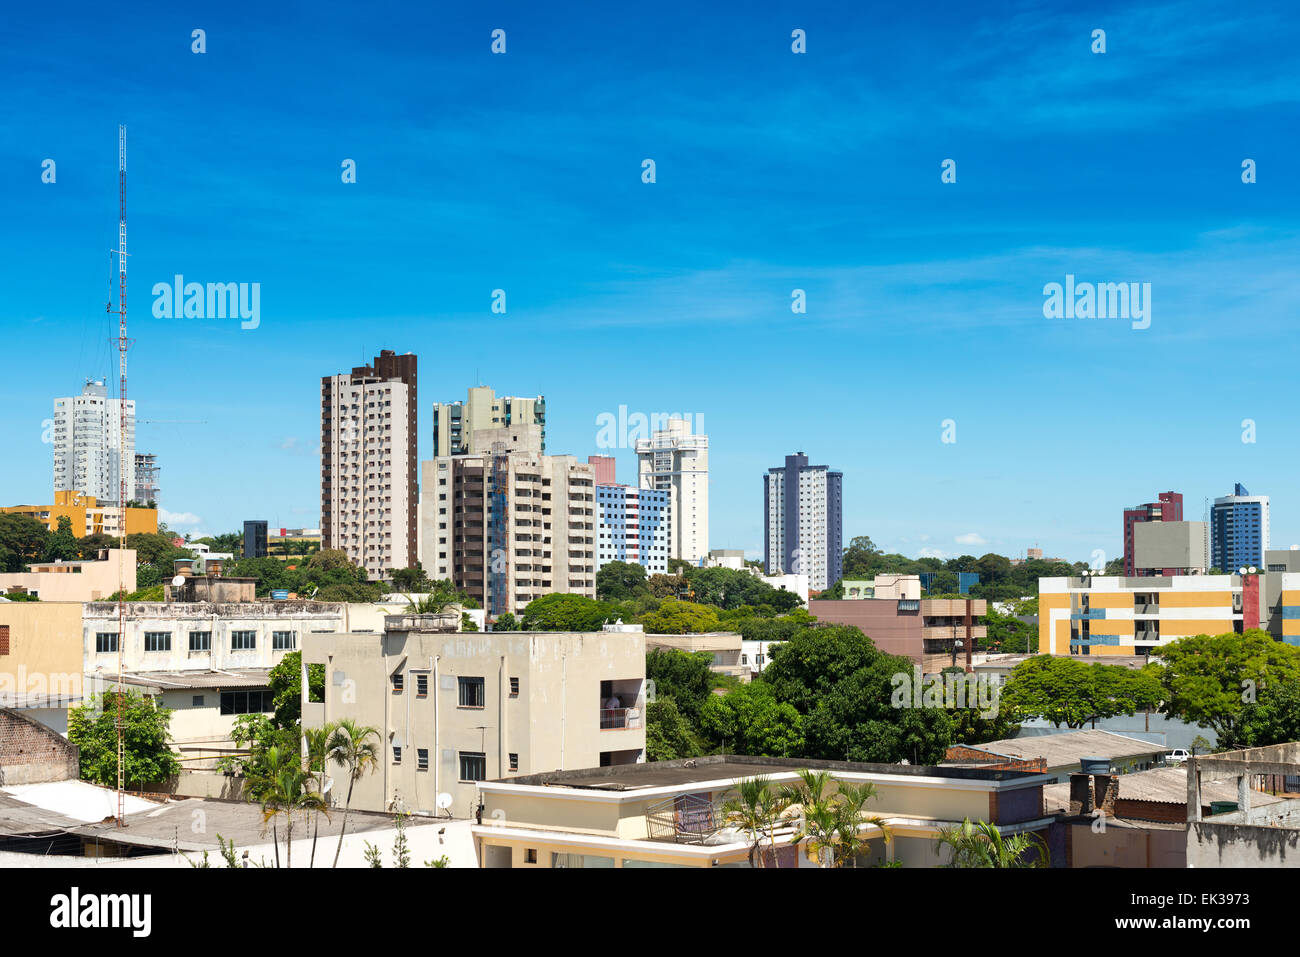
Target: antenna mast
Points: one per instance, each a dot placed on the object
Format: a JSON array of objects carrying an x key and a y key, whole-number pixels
[{"x": 123, "y": 343}]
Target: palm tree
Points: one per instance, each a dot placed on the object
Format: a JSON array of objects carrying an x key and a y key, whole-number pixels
[
  {"x": 756, "y": 809},
  {"x": 816, "y": 813},
  {"x": 853, "y": 799},
  {"x": 982, "y": 845},
  {"x": 287, "y": 792},
  {"x": 316, "y": 753},
  {"x": 356, "y": 749}
]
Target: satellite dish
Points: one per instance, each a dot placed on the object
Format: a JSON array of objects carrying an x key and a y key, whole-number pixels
[
  {"x": 444, "y": 801},
  {"x": 178, "y": 581}
]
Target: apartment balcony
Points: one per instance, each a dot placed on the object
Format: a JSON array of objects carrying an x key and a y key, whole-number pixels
[{"x": 616, "y": 719}]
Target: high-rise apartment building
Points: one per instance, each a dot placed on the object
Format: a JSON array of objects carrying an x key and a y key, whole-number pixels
[
  {"x": 368, "y": 460},
  {"x": 677, "y": 461},
  {"x": 508, "y": 523},
  {"x": 255, "y": 539},
  {"x": 633, "y": 525},
  {"x": 803, "y": 530},
  {"x": 88, "y": 445},
  {"x": 454, "y": 423},
  {"x": 1168, "y": 507},
  {"x": 146, "y": 478},
  {"x": 1238, "y": 530}
]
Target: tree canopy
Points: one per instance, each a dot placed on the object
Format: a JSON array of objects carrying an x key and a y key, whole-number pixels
[{"x": 1071, "y": 693}]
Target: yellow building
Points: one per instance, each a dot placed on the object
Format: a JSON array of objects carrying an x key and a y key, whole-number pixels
[
  {"x": 1290, "y": 608},
  {"x": 40, "y": 659},
  {"x": 87, "y": 517},
  {"x": 672, "y": 813},
  {"x": 1135, "y": 616}
]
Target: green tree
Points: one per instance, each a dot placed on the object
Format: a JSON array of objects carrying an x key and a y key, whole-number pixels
[
  {"x": 22, "y": 540},
  {"x": 982, "y": 845},
  {"x": 757, "y": 807},
  {"x": 288, "y": 793},
  {"x": 686, "y": 677},
  {"x": 410, "y": 580},
  {"x": 566, "y": 613},
  {"x": 505, "y": 622},
  {"x": 1072, "y": 693},
  {"x": 675, "y": 617},
  {"x": 62, "y": 545},
  {"x": 750, "y": 720},
  {"x": 262, "y": 745},
  {"x": 621, "y": 581},
  {"x": 666, "y": 586},
  {"x": 355, "y": 748},
  {"x": 285, "y": 682},
  {"x": 1209, "y": 679},
  {"x": 668, "y": 735},
  {"x": 147, "y": 758}
]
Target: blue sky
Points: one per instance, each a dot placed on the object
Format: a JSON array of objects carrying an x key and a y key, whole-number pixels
[{"x": 775, "y": 171}]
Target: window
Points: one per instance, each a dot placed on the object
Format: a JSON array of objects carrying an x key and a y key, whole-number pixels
[
  {"x": 422, "y": 685},
  {"x": 399, "y": 682},
  {"x": 473, "y": 766},
  {"x": 514, "y": 761},
  {"x": 397, "y": 754},
  {"x": 421, "y": 759},
  {"x": 283, "y": 640},
  {"x": 257, "y": 701},
  {"x": 471, "y": 696},
  {"x": 4, "y": 639},
  {"x": 105, "y": 641},
  {"x": 197, "y": 701},
  {"x": 514, "y": 687},
  {"x": 243, "y": 640},
  {"x": 200, "y": 641},
  {"x": 157, "y": 641}
]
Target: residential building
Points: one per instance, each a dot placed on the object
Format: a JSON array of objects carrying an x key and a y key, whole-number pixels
[
  {"x": 606, "y": 469},
  {"x": 884, "y": 586},
  {"x": 803, "y": 526},
  {"x": 368, "y": 463},
  {"x": 1239, "y": 530},
  {"x": 726, "y": 648},
  {"x": 91, "y": 453},
  {"x": 255, "y": 539},
  {"x": 732, "y": 558},
  {"x": 670, "y": 813},
  {"x": 1170, "y": 548},
  {"x": 1282, "y": 593},
  {"x": 456, "y": 709},
  {"x": 1168, "y": 507},
  {"x": 88, "y": 516},
  {"x": 633, "y": 525},
  {"x": 146, "y": 478},
  {"x": 76, "y": 580},
  {"x": 676, "y": 460},
  {"x": 930, "y": 631},
  {"x": 454, "y": 423},
  {"x": 510, "y": 523},
  {"x": 41, "y": 659}
]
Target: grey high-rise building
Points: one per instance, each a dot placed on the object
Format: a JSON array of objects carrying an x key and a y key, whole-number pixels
[
  {"x": 255, "y": 539},
  {"x": 804, "y": 517}
]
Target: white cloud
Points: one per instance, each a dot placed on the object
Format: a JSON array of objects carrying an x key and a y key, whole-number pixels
[
  {"x": 971, "y": 538},
  {"x": 929, "y": 552},
  {"x": 172, "y": 519}
]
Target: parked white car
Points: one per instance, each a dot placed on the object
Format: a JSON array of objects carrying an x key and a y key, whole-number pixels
[{"x": 1177, "y": 756}]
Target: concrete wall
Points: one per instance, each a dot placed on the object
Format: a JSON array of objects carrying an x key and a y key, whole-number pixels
[
  {"x": 1241, "y": 845},
  {"x": 77, "y": 581},
  {"x": 31, "y": 753},
  {"x": 44, "y": 651}
]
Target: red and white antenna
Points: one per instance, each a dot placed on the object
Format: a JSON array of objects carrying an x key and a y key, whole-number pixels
[{"x": 124, "y": 469}]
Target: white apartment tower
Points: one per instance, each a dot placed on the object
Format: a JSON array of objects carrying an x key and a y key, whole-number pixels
[
  {"x": 676, "y": 460},
  {"x": 368, "y": 463},
  {"x": 803, "y": 521},
  {"x": 87, "y": 441}
]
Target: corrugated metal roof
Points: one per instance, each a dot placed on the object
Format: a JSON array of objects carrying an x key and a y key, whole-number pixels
[
  {"x": 181, "y": 680},
  {"x": 1068, "y": 747}
]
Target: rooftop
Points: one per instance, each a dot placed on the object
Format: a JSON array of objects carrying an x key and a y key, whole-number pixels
[
  {"x": 1161, "y": 785},
  {"x": 1068, "y": 747}
]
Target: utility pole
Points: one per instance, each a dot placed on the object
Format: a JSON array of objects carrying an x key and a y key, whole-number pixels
[{"x": 123, "y": 344}]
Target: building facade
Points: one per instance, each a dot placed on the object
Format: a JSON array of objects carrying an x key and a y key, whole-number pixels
[
  {"x": 255, "y": 543},
  {"x": 803, "y": 526},
  {"x": 88, "y": 516},
  {"x": 146, "y": 478},
  {"x": 90, "y": 450},
  {"x": 927, "y": 630},
  {"x": 454, "y": 423},
  {"x": 633, "y": 525},
  {"x": 1170, "y": 548},
  {"x": 511, "y": 523},
  {"x": 1239, "y": 530},
  {"x": 677, "y": 461},
  {"x": 368, "y": 463},
  {"x": 1168, "y": 507},
  {"x": 455, "y": 709}
]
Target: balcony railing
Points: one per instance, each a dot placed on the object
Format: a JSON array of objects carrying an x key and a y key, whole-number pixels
[{"x": 613, "y": 719}]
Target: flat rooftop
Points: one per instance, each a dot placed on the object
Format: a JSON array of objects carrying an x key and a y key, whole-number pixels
[
  {"x": 716, "y": 767},
  {"x": 1068, "y": 747}
]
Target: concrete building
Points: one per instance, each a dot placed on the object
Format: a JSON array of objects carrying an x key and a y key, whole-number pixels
[
  {"x": 884, "y": 586},
  {"x": 633, "y": 525},
  {"x": 1245, "y": 832},
  {"x": 1099, "y": 615},
  {"x": 454, "y": 423},
  {"x": 41, "y": 672},
  {"x": 606, "y": 469},
  {"x": 88, "y": 516},
  {"x": 1239, "y": 530},
  {"x": 803, "y": 521},
  {"x": 255, "y": 539},
  {"x": 1168, "y": 507},
  {"x": 511, "y": 523},
  {"x": 368, "y": 463},
  {"x": 671, "y": 813},
  {"x": 89, "y": 455},
  {"x": 675, "y": 460},
  {"x": 1170, "y": 548},
  {"x": 926, "y": 630},
  {"x": 75, "y": 580},
  {"x": 146, "y": 478},
  {"x": 725, "y": 647},
  {"x": 456, "y": 709},
  {"x": 732, "y": 558}
]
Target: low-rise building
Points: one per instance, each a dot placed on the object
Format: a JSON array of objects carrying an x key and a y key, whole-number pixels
[
  {"x": 930, "y": 631},
  {"x": 726, "y": 648},
  {"x": 456, "y": 708},
  {"x": 76, "y": 580},
  {"x": 1062, "y": 754},
  {"x": 87, "y": 516}
]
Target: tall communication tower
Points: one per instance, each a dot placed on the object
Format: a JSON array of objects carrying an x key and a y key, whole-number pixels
[{"x": 123, "y": 344}]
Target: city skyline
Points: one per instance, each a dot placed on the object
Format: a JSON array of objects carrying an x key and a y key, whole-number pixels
[{"x": 523, "y": 172}]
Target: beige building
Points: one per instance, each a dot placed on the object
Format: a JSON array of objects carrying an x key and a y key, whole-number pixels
[
  {"x": 76, "y": 581},
  {"x": 458, "y": 708},
  {"x": 368, "y": 463},
  {"x": 724, "y": 646},
  {"x": 509, "y": 524},
  {"x": 40, "y": 659},
  {"x": 676, "y": 459},
  {"x": 671, "y": 813},
  {"x": 454, "y": 423}
]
